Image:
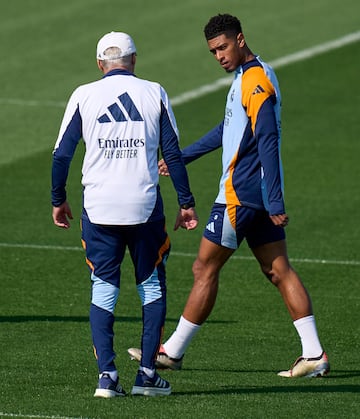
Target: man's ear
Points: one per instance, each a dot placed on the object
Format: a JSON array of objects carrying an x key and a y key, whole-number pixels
[
  {"x": 240, "y": 39},
  {"x": 100, "y": 65}
]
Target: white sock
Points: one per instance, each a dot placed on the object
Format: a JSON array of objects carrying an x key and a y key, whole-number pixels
[
  {"x": 306, "y": 328},
  {"x": 149, "y": 372},
  {"x": 178, "y": 342},
  {"x": 113, "y": 374}
]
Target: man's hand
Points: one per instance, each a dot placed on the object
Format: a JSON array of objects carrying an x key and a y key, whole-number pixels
[
  {"x": 186, "y": 218},
  {"x": 162, "y": 168},
  {"x": 281, "y": 220},
  {"x": 61, "y": 214}
]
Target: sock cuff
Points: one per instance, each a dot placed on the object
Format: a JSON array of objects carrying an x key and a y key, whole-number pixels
[
  {"x": 188, "y": 323},
  {"x": 113, "y": 374},
  {"x": 304, "y": 320}
]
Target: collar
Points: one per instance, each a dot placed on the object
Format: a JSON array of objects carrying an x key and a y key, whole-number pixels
[
  {"x": 243, "y": 67},
  {"x": 118, "y": 71}
]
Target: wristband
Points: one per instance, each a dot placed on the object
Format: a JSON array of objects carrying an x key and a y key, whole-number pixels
[{"x": 187, "y": 206}]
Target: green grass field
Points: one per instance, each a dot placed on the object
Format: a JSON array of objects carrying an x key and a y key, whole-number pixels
[{"x": 46, "y": 361}]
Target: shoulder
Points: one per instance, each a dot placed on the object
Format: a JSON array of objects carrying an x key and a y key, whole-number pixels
[
  {"x": 147, "y": 82},
  {"x": 255, "y": 83},
  {"x": 255, "y": 78}
]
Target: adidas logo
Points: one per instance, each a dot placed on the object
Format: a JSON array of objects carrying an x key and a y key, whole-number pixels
[
  {"x": 117, "y": 113},
  {"x": 211, "y": 227},
  {"x": 258, "y": 89}
]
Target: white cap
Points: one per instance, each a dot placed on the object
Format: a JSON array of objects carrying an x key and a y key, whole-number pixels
[{"x": 121, "y": 40}]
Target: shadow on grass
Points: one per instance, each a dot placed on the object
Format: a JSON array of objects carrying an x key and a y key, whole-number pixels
[
  {"x": 334, "y": 374},
  {"x": 83, "y": 319},
  {"x": 351, "y": 388}
]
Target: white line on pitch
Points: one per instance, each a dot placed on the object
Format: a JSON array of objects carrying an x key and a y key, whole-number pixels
[
  {"x": 44, "y": 103},
  {"x": 19, "y": 415},
  {"x": 277, "y": 63},
  {"x": 224, "y": 81},
  {"x": 180, "y": 254}
]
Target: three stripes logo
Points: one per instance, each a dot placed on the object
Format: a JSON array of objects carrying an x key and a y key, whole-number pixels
[
  {"x": 211, "y": 227},
  {"x": 258, "y": 89},
  {"x": 118, "y": 113}
]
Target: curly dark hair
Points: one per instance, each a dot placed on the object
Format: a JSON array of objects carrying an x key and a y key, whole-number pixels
[{"x": 222, "y": 24}]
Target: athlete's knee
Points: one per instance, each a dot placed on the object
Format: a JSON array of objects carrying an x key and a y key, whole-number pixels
[
  {"x": 277, "y": 273},
  {"x": 275, "y": 278},
  {"x": 286, "y": 278},
  {"x": 268, "y": 271}
]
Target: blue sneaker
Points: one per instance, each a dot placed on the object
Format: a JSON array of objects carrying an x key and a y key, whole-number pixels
[
  {"x": 108, "y": 388},
  {"x": 146, "y": 386}
]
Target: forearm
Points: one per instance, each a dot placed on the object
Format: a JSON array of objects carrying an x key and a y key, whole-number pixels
[
  {"x": 269, "y": 152},
  {"x": 171, "y": 153},
  {"x": 59, "y": 174},
  {"x": 209, "y": 142},
  {"x": 66, "y": 143}
]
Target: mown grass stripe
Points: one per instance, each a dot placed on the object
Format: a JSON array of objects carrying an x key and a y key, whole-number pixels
[
  {"x": 221, "y": 82},
  {"x": 180, "y": 254}
]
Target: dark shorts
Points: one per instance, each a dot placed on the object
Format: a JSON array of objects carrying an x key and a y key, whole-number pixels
[
  {"x": 105, "y": 247},
  {"x": 228, "y": 226}
]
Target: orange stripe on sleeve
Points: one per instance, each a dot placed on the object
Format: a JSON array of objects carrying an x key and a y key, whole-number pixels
[
  {"x": 91, "y": 266},
  {"x": 256, "y": 88}
]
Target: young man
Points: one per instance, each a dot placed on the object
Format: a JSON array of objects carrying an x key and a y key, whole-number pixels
[
  {"x": 124, "y": 122},
  {"x": 250, "y": 203}
]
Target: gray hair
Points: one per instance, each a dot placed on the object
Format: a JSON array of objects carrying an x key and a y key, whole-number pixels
[{"x": 113, "y": 58}]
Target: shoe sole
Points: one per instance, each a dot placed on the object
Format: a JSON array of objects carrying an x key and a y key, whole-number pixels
[
  {"x": 150, "y": 391},
  {"x": 318, "y": 372},
  {"x": 165, "y": 363},
  {"x": 107, "y": 394}
]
